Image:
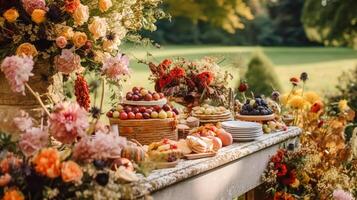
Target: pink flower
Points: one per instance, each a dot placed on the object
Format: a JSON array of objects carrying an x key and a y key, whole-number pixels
[
  {"x": 67, "y": 62},
  {"x": 61, "y": 42},
  {"x": 102, "y": 146},
  {"x": 67, "y": 122},
  {"x": 340, "y": 194},
  {"x": 17, "y": 71},
  {"x": 24, "y": 121},
  {"x": 31, "y": 5},
  {"x": 114, "y": 67},
  {"x": 33, "y": 140}
]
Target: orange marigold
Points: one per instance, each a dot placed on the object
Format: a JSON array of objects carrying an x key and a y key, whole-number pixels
[
  {"x": 71, "y": 172},
  {"x": 47, "y": 162},
  {"x": 13, "y": 194}
]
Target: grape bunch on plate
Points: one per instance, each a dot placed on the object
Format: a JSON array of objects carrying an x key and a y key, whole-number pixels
[{"x": 257, "y": 106}]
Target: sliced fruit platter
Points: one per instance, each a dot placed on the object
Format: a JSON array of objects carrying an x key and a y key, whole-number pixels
[
  {"x": 144, "y": 97},
  {"x": 211, "y": 114},
  {"x": 256, "y": 109}
]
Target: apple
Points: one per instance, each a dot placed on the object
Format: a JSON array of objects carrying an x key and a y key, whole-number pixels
[
  {"x": 119, "y": 108},
  {"x": 166, "y": 107},
  {"x": 157, "y": 108},
  {"x": 175, "y": 111},
  {"x": 156, "y": 96},
  {"x": 161, "y": 95},
  {"x": 170, "y": 114},
  {"x": 148, "y": 97},
  {"x": 148, "y": 111},
  {"x": 138, "y": 116},
  {"x": 162, "y": 114},
  {"x": 135, "y": 89},
  {"x": 123, "y": 115},
  {"x": 110, "y": 113},
  {"x": 129, "y": 96},
  {"x": 142, "y": 109},
  {"x": 146, "y": 115},
  {"x": 136, "y": 97},
  {"x": 127, "y": 109},
  {"x": 136, "y": 110},
  {"x": 131, "y": 115},
  {"x": 116, "y": 114},
  {"x": 144, "y": 92},
  {"x": 154, "y": 114}
]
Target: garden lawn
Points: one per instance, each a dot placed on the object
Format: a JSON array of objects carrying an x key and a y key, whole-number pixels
[{"x": 323, "y": 64}]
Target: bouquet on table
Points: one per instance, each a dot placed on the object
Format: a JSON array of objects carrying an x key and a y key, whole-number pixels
[{"x": 191, "y": 82}]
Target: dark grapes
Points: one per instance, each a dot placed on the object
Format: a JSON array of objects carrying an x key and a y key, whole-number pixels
[{"x": 260, "y": 107}]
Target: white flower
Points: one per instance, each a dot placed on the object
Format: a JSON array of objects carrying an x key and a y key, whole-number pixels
[{"x": 81, "y": 15}]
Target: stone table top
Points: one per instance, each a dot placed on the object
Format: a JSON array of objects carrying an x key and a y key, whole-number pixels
[{"x": 185, "y": 169}]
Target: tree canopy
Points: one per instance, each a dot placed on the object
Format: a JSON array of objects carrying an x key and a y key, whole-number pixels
[{"x": 330, "y": 22}]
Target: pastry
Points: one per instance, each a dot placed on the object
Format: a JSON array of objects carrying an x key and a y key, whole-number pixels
[
  {"x": 183, "y": 146},
  {"x": 196, "y": 144}
]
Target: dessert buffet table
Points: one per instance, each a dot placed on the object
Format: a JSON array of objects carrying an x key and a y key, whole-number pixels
[{"x": 235, "y": 170}]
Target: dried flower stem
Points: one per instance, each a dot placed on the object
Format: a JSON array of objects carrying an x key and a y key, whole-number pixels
[{"x": 38, "y": 98}]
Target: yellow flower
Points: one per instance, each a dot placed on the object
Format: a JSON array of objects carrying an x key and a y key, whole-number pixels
[
  {"x": 26, "y": 49},
  {"x": 295, "y": 184},
  {"x": 79, "y": 39},
  {"x": 343, "y": 105},
  {"x": 11, "y": 15},
  {"x": 13, "y": 194},
  {"x": 38, "y": 16},
  {"x": 81, "y": 15},
  {"x": 297, "y": 92},
  {"x": 67, "y": 32},
  {"x": 284, "y": 99},
  {"x": 98, "y": 27},
  {"x": 104, "y": 5},
  {"x": 296, "y": 102},
  {"x": 311, "y": 97}
]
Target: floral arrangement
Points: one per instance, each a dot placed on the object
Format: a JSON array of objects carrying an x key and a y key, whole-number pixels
[
  {"x": 71, "y": 36},
  {"x": 191, "y": 82},
  {"x": 325, "y": 166},
  {"x": 69, "y": 159}
]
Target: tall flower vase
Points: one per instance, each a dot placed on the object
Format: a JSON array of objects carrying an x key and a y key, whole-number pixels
[{"x": 44, "y": 81}]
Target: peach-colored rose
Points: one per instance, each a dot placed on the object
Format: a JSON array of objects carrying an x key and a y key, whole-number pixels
[
  {"x": 13, "y": 194},
  {"x": 38, "y": 16},
  {"x": 65, "y": 31},
  {"x": 61, "y": 42},
  {"x": 81, "y": 15},
  {"x": 71, "y": 172},
  {"x": 5, "y": 179},
  {"x": 26, "y": 49},
  {"x": 104, "y": 5},
  {"x": 79, "y": 39},
  {"x": 98, "y": 27},
  {"x": 47, "y": 163},
  {"x": 11, "y": 15}
]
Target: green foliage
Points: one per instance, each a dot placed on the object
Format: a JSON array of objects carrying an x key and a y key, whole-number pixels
[
  {"x": 261, "y": 75},
  {"x": 332, "y": 23},
  {"x": 7, "y": 144}
]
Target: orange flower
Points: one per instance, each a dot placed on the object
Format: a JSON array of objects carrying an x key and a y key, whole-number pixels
[
  {"x": 4, "y": 166},
  {"x": 295, "y": 81},
  {"x": 13, "y": 194},
  {"x": 316, "y": 107},
  {"x": 283, "y": 196},
  {"x": 72, "y": 5},
  {"x": 47, "y": 162},
  {"x": 71, "y": 172}
]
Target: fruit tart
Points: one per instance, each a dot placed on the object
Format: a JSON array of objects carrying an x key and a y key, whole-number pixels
[{"x": 164, "y": 151}]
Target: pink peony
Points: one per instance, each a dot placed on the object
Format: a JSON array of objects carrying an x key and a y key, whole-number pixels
[
  {"x": 33, "y": 140},
  {"x": 67, "y": 62},
  {"x": 31, "y": 5},
  {"x": 114, "y": 67},
  {"x": 23, "y": 122},
  {"x": 101, "y": 146},
  {"x": 67, "y": 122},
  {"x": 340, "y": 194},
  {"x": 17, "y": 71}
]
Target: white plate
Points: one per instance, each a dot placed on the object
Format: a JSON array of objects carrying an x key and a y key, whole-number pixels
[
  {"x": 159, "y": 102},
  {"x": 241, "y": 124}
]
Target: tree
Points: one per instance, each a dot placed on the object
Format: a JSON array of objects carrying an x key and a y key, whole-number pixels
[
  {"x": 221, "y": 13},
  {"x": 331, "y": 22},
  {"x": 261, "y": 76}
]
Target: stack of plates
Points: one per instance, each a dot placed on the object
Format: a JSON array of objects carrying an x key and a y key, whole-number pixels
[{"x": 243, "y": 131}]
